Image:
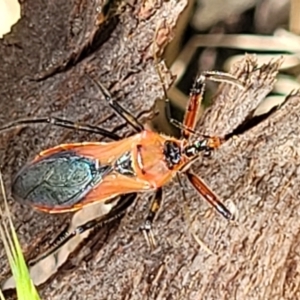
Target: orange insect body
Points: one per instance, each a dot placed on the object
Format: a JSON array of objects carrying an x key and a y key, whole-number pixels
[
  {"x": 70, "y": 176},
  {"x": 149, "y": 161}
]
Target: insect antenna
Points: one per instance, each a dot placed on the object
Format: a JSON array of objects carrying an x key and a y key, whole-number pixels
[{"x": 193, "y": 132}]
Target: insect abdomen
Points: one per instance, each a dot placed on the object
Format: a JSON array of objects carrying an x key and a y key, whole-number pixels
[{"x": 59, "y": 180}]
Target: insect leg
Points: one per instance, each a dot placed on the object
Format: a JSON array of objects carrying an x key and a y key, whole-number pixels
[
  {"x": 117, "y": 212},
  {"x": 168, "y": 110},
  {"x": 60, "y": 123},
  {"x": 147, "y": 226},
  {"x": 196, "y": 96},
  {"x": 126, "y": 115},
  {"x": 209, "y": 195}
]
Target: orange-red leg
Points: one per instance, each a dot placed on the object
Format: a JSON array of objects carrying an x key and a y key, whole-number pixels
[
  {"x": 209, "y": 195},
  {"x": 196, "y": 96}
]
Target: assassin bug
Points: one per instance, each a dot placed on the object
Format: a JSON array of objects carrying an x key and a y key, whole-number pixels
[{"x": 69, "y": 177}]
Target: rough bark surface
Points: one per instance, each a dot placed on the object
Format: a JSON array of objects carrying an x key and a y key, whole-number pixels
[{"x": 256, "y": 257}]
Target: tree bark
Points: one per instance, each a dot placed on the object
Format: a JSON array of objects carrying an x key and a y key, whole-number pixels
[{"x": 44, "y": 61}]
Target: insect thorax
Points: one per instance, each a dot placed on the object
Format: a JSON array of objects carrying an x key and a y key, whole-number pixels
[{"x": 124, "y": 165}]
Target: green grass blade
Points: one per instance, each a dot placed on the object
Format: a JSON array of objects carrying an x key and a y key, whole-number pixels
[
  {"x": 24, "y": 286},
  {"x": 1, "y": 296}
]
